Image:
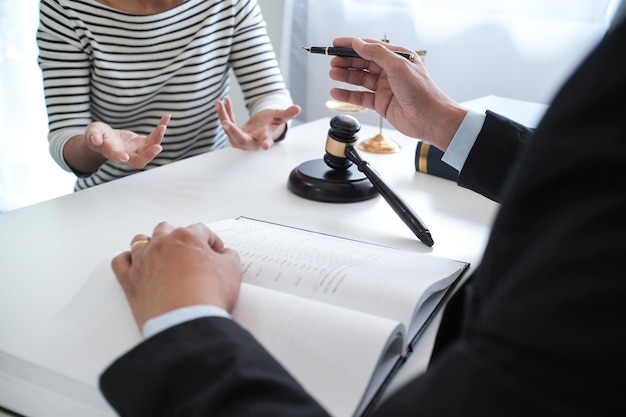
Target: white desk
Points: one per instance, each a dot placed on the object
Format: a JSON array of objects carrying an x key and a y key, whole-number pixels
[{"x": 49, "y": 249}]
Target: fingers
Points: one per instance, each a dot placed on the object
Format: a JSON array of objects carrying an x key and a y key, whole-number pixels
[
  {"x": 214, "y": 241},
  {"x": 348, "y": 41},
  {"x": 120, "y": 265},
  {"x": 364, "y": 47},
  {"x": 151, "y": 146},
  {"x": 225, "y": 112},
  {"x": 141, "y": 159},
  {"x": 221, "y": 111},
  {"x": 207, "y": 235},
  {"x": 374, "y": 53},
  {"x": 354, "y": 63},
  {"x": 291, "y": 112},
  {"x": 359, "y": 98},
  {"x": 278, "y": 126},
  {"x": 165, "y": 119},
  {"x": 238, "y": 138},
  {"x": 199, "y": 231},
  {"x": 95, "y": 138},
  {"x": 115, "y": 154},
  {"x": 351, "y": 76},
  {"x": 343, "y": 41},
  {"x": 162, "y": 229},
  {"x": 138, "y": 242},
  {"x": 229, "y": 108},
  {"x": 156, "y": 137},
  {"x": 99, "y": 139},
  {"x": 94, "y": 133},
  {"x": 227, "y": 119},
  {"x": 125, "y": 146},
  {"x": 260, "y": 131}
]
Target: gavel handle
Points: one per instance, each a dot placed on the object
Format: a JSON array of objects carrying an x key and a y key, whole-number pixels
[{"x": 396, "y": 202}]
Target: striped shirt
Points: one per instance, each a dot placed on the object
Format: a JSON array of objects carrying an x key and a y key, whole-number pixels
[{"x": 101, "y": 64}]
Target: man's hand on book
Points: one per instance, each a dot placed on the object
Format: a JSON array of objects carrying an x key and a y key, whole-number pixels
[{"x": 177, "y": 267}]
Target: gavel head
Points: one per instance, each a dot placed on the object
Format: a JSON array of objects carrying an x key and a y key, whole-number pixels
[{"x": 341, "y": 135}]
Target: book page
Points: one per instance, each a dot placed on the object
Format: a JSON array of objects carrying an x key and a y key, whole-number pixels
[
  {"x": 379, "y": 280},
  {"x": 340, "y": 356},
  {"x": 333, "y": 352}
]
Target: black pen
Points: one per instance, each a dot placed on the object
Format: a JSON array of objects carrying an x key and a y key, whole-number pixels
[{"x": 347, "y": 52}]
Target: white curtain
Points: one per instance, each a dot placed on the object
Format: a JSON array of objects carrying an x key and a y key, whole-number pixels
[
  {"x": 27, "y": 172},
  {"x": 522, "y": 49}
]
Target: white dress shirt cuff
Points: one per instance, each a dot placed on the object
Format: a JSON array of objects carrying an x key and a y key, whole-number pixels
[
  {"x": 172, "y": 318},
  {"x": 464, "y": 139}
]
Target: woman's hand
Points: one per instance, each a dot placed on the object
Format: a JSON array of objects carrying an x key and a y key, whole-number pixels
[
  {"x": 260, "y": 132},
  {"x": 125, "y": 146}
]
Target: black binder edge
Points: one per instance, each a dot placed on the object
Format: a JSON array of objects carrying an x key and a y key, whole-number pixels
[{"x": 448, "y": 292}]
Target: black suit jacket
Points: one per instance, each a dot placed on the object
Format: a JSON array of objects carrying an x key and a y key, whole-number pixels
[{"x": 544, "y": 326}]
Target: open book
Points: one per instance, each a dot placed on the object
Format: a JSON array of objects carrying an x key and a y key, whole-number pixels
[{"x": 340, "y": 315}]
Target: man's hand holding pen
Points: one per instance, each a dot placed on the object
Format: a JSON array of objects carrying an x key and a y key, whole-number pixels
[{"x": 398, "y": 89}]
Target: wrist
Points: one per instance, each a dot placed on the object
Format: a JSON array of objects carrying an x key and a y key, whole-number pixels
[
  {"x": 172, "y": 318},
  {"x": 79, "y": 156},
  {"x": 444, "y": 127}
]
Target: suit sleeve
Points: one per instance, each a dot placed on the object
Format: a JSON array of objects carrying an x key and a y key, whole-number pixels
[
  {"x": 543, "y": 330},
  {"x": 205, "y": 367},
  {"x": 492, "y": 157}
]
